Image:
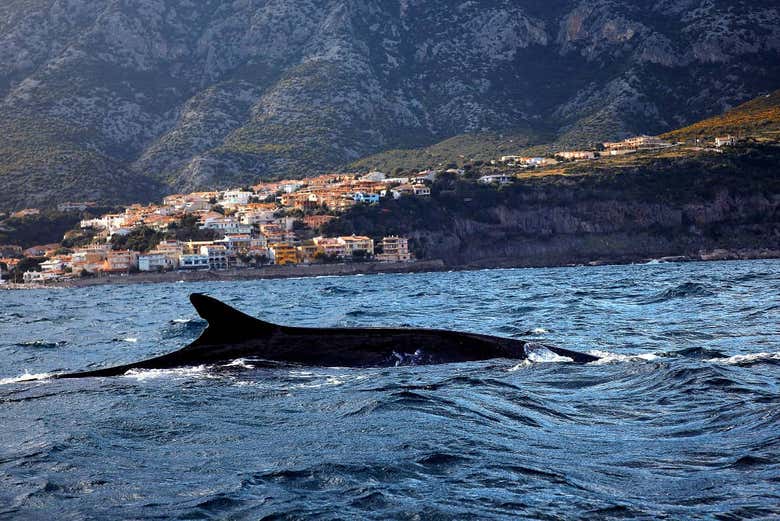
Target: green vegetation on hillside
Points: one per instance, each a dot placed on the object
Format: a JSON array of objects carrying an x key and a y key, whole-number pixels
[
  {"x": 455, "y": 151},
  {"x": 45, "y": 228},
  {"x": 757, "y": 119}
]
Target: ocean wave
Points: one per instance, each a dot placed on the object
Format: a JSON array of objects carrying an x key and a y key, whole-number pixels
[
  {"x": 685, "y": 290},
  {"x": 26, "y": 377},
  {"x": 746, "y": 359},
  {"x": 240, "y": 362},
  {"x": 41, "y": 343},
  {"x": 153, "y": 374},
  {"x": 606, "y": 357}
]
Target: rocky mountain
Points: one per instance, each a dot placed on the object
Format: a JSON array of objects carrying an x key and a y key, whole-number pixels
[{"x": 121, "y": 100}]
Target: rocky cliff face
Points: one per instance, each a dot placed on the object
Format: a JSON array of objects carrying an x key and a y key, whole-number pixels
[
  {"x": 611, "y": 230},
  {"x": 176, "y": 94}
]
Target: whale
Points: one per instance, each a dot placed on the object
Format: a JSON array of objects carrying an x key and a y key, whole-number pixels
[{"x": 233, "y": 335}]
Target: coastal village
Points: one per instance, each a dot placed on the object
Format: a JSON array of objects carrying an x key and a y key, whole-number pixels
[{"x": 270, "y": 223}]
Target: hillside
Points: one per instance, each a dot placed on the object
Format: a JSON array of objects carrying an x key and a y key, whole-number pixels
[
  {"x": 126, "y": 100},
  {"x": 648, "y": 207},
  {"x": 758, "y": 118}
]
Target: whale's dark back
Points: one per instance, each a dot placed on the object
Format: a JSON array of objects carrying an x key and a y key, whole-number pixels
[{"x": 232, "y": 334}]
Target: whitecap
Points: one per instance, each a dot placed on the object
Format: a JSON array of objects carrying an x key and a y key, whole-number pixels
[
  {"x": 539, "y": 354},
  {"x": 522, "y": 365},
  {"x": 151, "y": 374},
  {"x": 240, "y": 362},
  {"x": 539, "y": 331},
  {"x": 745, "y": 359},
  {"x": 605, "y": 357},
  {"x": 26, "y": 377},
  {"x": 132, "y": 340}
]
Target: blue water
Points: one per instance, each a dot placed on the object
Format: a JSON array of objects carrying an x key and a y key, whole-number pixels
[{"x": 681, "y": 422}]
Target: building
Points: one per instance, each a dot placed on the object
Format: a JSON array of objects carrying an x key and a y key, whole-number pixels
[
  {"x": 410, "y": 189},
  {"x": 317, "y": 221},
  {"x": 54, "y": 265},
  {"x": 361, "y": 197},
  {"x": 725, "y": 141},
  {"x": 87, "y": 259},
  {"x": 501, "y": 179},
  {"x": 238, "y": 243},
  {"x": 156, "y": 261},
  {"x": 217, "y": 256},
  {"x": 236, "y": 198},
  {"x": 307, "y": 251},
  {"x": 356, "y": 243},
  {"x": 576, "y": 155},
  {"x": 193, "y": 261},
  {"x": 395, "y": 249},
  {"x": 40, "y": 276},
  {"x": 634, "y": 144},
  {"x": 120, "y": 261},
  {"x": 10, "y": 250},
  {"x": 331, "y": 247},
  {"x": 282, "y": 254},
  {"x": 226, "y": 225},
  {"x": 252, "y": 217}
]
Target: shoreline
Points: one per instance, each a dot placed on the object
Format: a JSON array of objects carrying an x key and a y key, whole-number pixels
[{"x": 372, "y": 268}]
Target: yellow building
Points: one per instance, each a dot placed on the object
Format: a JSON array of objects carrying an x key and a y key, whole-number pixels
[
  {"x": 284, "y": 254},
  {"x": 307, "y": 251}
]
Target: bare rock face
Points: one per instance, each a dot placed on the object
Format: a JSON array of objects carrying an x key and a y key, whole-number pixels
[{"x": 179, "y": 94}]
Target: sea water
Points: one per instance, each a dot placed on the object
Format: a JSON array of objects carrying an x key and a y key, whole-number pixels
[{"x": 680, "y": 419}]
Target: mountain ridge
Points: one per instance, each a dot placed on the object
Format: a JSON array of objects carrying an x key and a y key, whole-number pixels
[{"x": 122, "y": 100}]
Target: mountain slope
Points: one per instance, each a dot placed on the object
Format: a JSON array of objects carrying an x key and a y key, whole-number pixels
[
  {"x": 758, "y": 118},
  {"x": 125, "y": 99}
]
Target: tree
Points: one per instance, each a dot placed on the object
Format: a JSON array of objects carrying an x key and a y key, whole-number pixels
[
  {"x": 25, "y": 265},
  {"x": 188, "y": 229},
  {"x": 140, "y": 239}
]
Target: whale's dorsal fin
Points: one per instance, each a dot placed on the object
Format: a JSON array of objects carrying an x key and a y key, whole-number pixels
[{"x": 227, "y": 324}]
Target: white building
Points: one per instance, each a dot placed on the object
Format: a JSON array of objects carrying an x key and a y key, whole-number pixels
[
  {"x": 192, "y": 261},
  {"x": 576, "y": 155},
  {"x": 501, "y": 179},
  {"x": 217, "y": 256},
  {"x": 40, "y": 276},
  {"x": 236, "y": 197},
  {"x": 156, "y": 261},
  {"x": 725, "y": 141},
  {"x": 226, "y": 225},
  {"x": 52, "y": 265}
]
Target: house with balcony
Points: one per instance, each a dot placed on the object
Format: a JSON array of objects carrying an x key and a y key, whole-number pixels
[
  {"x": 217, "y": 255},
  {"x": 120, "y": 261},
  {"x": 282, "y": 254},
  {"x": 157, "y": 261},
  {"x": 394, "y": 249},
  {"x": 193, "y": 261},
  {"x": 356, "y": 243}
]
